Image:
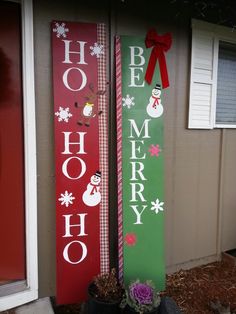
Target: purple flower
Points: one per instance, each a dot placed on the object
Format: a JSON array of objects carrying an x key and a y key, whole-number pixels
[{"x": 141, "y": 293}]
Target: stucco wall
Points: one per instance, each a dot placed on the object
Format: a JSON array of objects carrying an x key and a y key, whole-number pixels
[{"x": 199, "y": 165}]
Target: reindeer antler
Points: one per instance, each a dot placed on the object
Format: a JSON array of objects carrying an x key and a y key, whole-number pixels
[
  {"x": 101, "y": 92},
  {"x": 91, "y": 87}
]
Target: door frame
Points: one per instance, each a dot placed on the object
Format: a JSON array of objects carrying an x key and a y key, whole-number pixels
[{"x": 30, "y": 293}]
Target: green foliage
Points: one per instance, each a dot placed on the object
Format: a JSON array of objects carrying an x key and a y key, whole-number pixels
[{"x": 221, "y": 12}]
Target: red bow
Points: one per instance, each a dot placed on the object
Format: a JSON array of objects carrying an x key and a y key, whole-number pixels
[{"x": 160, "y": 45}]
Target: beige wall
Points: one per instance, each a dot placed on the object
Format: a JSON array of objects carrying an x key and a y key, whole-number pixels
[
  {"x": 200, "y": 172},
  {"x": 228, "y": 240}
]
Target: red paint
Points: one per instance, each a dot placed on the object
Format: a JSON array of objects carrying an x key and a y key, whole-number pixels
[
  {"x": 73, "y": 279},
  {"x": 160, "y": 44},
  {"x": 12, "y": 226},
  {"x": 130, "y": 239}
]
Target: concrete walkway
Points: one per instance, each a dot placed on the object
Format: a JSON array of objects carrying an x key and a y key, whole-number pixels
[{"x": 41, "y": 306}]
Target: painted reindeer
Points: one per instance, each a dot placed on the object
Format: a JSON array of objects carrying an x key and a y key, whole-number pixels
[{"x": 88, "y": 110}]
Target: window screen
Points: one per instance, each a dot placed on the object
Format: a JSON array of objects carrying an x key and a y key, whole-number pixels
[{"x": 226, "y": 85}]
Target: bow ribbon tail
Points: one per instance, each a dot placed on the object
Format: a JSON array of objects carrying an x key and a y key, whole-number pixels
[
  {"x": 151, "y": 67},
  {"x": 163, "y": 70}
]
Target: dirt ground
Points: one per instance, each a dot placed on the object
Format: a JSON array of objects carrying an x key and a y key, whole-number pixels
[{"x": 194, "y": 290}]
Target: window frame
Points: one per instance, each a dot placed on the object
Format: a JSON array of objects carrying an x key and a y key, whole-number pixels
[
  {"x": 217, "y": 33},
  {"x": 30, "y": 293}
]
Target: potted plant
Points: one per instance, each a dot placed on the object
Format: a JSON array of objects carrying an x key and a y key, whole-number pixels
[
  {"x": 105, "y": 294},
  {"x": 141, "y": 297}
]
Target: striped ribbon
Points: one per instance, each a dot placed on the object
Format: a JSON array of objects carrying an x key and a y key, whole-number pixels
[{"x": 119, "y": 156}]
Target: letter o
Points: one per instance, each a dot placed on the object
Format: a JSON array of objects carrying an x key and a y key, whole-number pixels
[
  {"x": 64, "y": 168},
  {"x": 65, "y": 79},
  {"x": 66, "y": 255}
]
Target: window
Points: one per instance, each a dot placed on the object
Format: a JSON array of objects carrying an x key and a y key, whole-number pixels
[
  {"x": 213, "y": 77},
  {"x": 226, "y": 85}
]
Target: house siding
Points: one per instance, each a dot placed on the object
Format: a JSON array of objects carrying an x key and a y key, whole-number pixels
[{"x": 200, "y": 170}]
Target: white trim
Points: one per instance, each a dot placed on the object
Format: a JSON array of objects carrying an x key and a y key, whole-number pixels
[
  {"x": 225, "y": 126},
  {"x": 31, "y": 293},
  {"x": 190, "y": 88},
  {"x": 214, "y": 79}
]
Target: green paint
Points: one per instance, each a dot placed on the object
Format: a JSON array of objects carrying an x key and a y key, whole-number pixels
[{"x": 145, "y": 258}]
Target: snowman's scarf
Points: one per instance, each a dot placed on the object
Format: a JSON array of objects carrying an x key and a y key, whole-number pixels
[
  {"x": 156, "y": 101},
  {"x": 94, "y": 189}
]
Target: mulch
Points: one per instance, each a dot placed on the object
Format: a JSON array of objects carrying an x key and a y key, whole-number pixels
[{"x": 195, "y": 290}]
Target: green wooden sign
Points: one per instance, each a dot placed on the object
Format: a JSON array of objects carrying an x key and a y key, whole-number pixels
[{"x": 140, "y": 130}]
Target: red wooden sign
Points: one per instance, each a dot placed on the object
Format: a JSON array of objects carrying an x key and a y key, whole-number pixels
[{"x": 79, "y": 80}]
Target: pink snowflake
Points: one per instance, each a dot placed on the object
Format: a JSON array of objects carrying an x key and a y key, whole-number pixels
[
  {"x": 130, "y": 239},
  {"x": 154, "y": 150}
]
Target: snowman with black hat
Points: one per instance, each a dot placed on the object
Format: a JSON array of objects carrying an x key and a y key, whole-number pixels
[
  {"x": 154, "y": 107},
  {"x": 92, "y": 195}
]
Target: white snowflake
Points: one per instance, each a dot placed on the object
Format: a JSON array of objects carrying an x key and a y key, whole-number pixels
[
  {"x": 157, "y": 206},
  {"x": 128, "y": 101},
  {"x": 96, "y": 50},
  {"x": 61, "y": 30},
  {"x": 66, "y": 198},
  {"x": 63, "y": 114}
]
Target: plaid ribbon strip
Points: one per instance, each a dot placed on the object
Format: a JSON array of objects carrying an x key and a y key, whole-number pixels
[
  {"x": 119, "y": 156},
  {"x": 103, "y": 148}
]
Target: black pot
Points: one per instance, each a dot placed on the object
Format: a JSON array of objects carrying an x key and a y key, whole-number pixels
[
  {"x": 129, "y": 310},
  {"x": 168, "y": 306},
  {"x": 99, "y": 307},
  {"x": 96, "y": 306}
]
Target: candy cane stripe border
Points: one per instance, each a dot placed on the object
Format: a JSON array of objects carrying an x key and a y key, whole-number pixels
[{"x": 119, "y": 155}]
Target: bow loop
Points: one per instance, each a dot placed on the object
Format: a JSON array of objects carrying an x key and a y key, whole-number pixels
[
  {"x": 160, "y": 44},
  {"x": 153, "y": 39}
]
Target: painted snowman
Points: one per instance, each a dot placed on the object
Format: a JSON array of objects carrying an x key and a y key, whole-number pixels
[
  {"x": 92, "y": 195},
  {"x": 154, "y": 107}
]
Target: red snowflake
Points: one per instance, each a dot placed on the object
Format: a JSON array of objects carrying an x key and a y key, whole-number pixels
[
  {"x": 130, "y": 239},
  {"x": 154, "y": 150}
]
